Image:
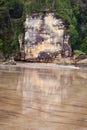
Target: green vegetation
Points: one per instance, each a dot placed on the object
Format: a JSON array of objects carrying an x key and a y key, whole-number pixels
[
  {"x": 78, "y": 52},
  {"x": 13, "y": 12}
]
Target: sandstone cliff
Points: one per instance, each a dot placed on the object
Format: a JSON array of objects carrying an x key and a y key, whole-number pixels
[{"x": 45, "y": 37}]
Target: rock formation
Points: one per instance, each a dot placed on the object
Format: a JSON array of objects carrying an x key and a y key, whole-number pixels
[{"x": 45, "y": 37}]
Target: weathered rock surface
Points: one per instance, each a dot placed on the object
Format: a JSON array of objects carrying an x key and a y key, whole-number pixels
[
  {"x": 82, "y": 62},
  {"x": 81, "y": 57},
  {"x": 45, "y": 37},
  {"x": 64, "y": 61},
  {"x": 10, "y": 61}
]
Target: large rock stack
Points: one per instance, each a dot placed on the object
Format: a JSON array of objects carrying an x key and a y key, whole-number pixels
[{"x": 45, "y": 37}]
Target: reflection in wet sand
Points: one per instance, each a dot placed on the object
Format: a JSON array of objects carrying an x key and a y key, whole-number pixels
[{"x": 41, "y": 99}]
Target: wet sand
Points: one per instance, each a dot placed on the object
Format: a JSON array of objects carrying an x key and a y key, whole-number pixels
[{"x": 43, "y": 97}]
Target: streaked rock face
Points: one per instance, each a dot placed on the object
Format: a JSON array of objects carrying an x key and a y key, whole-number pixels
[{"x": 45, "y": 36}]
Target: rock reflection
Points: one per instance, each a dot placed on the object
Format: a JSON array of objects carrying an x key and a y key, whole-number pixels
[
  {"x": 44, "y": 89},
  {"x": 43, "y": 99}
]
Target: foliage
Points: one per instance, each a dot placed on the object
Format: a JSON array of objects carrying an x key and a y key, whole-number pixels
[
  {"x": 16, "y": 9},
  {"x": 84, "y": 45},
  {"x": 78, "y": 52},
  {"x": 74, "y": 36}
]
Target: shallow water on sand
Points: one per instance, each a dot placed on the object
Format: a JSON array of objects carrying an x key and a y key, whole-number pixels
[{"x": 43, "y": 99}]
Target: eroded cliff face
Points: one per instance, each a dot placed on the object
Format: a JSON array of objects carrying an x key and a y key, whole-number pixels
[{"x": 45, "y": 37}]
